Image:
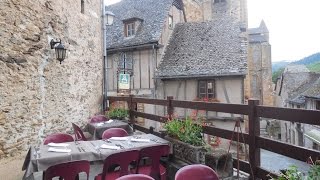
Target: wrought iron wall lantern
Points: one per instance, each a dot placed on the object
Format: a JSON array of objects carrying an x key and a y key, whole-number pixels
[{"x": 59, "y": 49}]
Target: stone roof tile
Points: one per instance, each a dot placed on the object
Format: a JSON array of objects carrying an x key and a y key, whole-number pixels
[
  {"x": 153, "y": 14},
  {"x": 199, "y": 49}
]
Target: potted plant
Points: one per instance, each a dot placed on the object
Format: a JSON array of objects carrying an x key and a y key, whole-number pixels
[
  {"x": 117, "y": 113},
  {"x": 186, "y": 139}
]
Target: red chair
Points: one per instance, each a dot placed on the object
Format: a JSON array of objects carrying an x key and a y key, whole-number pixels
[
  {"x": 135, "y": 177},
  {"x": 67, "y": 171},
  {"x": 98, "y": 118},
  {"x": 196, "y": 172},
  {"x": 79, "y": 136},
  {"x": 114, "y": 132},
  {"x": 123, "y": 159},
  {"x": 58, "y": 138},
  {"x": 155, "y": 170}
]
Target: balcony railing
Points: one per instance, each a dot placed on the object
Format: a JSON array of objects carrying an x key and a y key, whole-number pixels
[{"x": 253, "y": 110}]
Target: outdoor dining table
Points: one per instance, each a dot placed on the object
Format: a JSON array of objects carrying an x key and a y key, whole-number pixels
[
  {"x": 39, "y": 159},
  {"x": 97, "y": 129}
]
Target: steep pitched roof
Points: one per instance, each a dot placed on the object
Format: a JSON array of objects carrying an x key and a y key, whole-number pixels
[
  {"x": 259, "y": 34},
  {"x": 309, "y": 89},
  {"x": 313, "y": 91},
  {"x": 205, "y": 49},
  {"x": 152, "y": 13}
]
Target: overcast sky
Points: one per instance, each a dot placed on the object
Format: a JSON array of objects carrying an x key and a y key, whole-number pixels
[{"x": 294, "y": 26}]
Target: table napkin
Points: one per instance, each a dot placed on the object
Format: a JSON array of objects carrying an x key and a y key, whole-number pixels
[
  {"x": 58, "y": 144},
  {"x": 109, "y": 121},
  {"x": 99, "y": 124},
  {"x": 140, "y": 140},
  {"x": 119, "y": 138},
  {"x": 104, "y": 146},
  {"x": 51, "y": 149}
]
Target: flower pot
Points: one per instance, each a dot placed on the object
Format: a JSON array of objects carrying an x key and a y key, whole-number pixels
[{"x": 186, "y": 152}]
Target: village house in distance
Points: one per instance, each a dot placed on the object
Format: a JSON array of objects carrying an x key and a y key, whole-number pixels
[{"x": 188, "y": 50}]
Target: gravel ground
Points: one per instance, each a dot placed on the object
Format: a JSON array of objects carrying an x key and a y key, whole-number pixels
[{"x": 10, "y": 168}]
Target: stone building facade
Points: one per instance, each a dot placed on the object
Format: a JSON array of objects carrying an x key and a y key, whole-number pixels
[
  {"x": 259, "y": 78},
  {"x": 39, "y": 96}
]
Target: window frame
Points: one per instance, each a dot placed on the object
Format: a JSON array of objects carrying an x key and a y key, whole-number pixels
[
  {"x": 206, "y": 93},
  {"x": 130, "y": 29},
  {"x": 170, "y": 22},
  {"x": 317, "y": 105}
]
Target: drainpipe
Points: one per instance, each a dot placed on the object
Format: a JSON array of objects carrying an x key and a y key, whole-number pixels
[{"x": 104, "y": 60}]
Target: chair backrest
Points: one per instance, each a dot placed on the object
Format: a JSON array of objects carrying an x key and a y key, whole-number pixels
[
  {"x": 98, "y": 118},
  {"x": 114, "y": 132},
  {"x": 135, "y": 177},
  {"x": 154, "y": 153},
  {"x": 67, "y": 171},
  {"x": 122, "y": 159},
  {"x": 78, "y": 134},
  {"x": 196, "y": 172},
  {"x": 58, "y": 138}
]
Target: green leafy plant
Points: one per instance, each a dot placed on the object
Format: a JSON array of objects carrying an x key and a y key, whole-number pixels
[
  {"x": 117, "y": 113},
  {"x": 187, "y": 131},
  {"x": 291, "y": 173},
  {"x": 314, "y": 171}
]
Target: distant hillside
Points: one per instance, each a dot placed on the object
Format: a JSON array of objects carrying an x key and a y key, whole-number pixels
[
  {"x": 315, "y": 67},
  {"x": 309, "y": 60},
  {"x": 312, "y": 62},
  {"x": 279, "y": 64},
  {"x": 314, "y": 58}
]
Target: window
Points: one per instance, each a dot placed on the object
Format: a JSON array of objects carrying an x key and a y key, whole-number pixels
[
  {"x": 129, "y": 29},
  {"x": 82, "y": 6},
  {"x": 170, "y": 22},
  {"x": 206, "y": 89},
  {"x": 125, "y": 63},
  {"x": 315, "y": 146},
  {"x": 317, "y": 105},
  {"x": 219, "y": 1}
]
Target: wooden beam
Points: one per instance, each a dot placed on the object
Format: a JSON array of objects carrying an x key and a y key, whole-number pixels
[
  {"x": 149, "y": 116},
  {"x": 254, "y": 131},
  {"x": 220, "y": 107},
  {"x": 296, "y": 152},
  {"x": 292, "y": 115}
]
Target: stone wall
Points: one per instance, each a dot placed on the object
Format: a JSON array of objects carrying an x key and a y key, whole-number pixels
[
  {"x": 39, "y": 96},
  {"x": 259, "y": 79},
  {"x": 193, "y": 10}
]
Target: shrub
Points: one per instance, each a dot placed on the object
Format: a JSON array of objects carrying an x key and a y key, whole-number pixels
[
  {"x": 117, "y": 113},
  {"x": 186, "y": 131}
]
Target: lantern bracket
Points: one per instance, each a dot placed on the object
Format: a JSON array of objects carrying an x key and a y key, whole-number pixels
[{"x": 53, "y": 43}]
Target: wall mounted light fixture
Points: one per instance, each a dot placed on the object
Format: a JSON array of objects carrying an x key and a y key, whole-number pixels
[{"x": 59, "y": 49}]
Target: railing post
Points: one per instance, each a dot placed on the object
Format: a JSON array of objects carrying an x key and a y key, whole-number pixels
[
  {"x": 151, "y": 130},
  {"x": 254, "y": 131},
  {"x": 170, "y": 107},
  {"x": 131, "y": 109}
]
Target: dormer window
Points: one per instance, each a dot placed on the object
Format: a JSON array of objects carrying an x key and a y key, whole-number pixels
[
  {"x": 131, "y": 26},
  {"x": 129, "y": 29}
]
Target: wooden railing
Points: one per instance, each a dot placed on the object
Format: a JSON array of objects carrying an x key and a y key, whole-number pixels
[{"x": 253, "y": 139}]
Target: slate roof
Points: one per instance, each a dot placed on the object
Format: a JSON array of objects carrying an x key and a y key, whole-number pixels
[
  {"x": 205, "y": 49},
  {"x": 309, "y": 89},
  {"x": 314, "y": 91},
  {"x": 259, "y": 34},
  {"x": 152, "y": 12}
]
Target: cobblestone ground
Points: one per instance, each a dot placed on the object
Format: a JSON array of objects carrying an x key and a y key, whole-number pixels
[{"x": 10, "y": 168}]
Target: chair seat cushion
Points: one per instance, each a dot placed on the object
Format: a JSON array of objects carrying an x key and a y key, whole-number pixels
[{"x": 147, "y": 170}]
